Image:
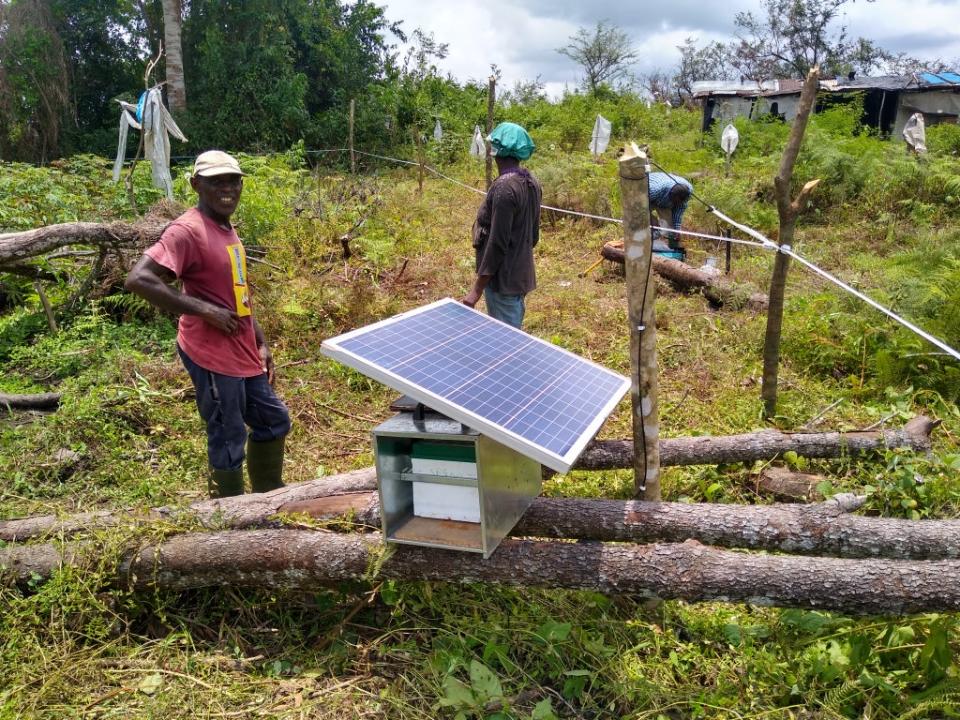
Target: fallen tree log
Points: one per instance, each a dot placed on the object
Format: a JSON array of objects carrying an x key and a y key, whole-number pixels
[
  {"x": 306, "y": 560},
  {"x": 40, "y": 401},
  {"x": 242, "y": 511},
  {"x": 763, "y": 445},
  {"x": 818, "y": 529},
  {"x": 824, "y": 528},
  {"x": 18, "y": 246},
  {"x": 716, "y": 288}
]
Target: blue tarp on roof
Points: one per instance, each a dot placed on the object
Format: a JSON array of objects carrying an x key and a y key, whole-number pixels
[{"x": 951, "y": 76}]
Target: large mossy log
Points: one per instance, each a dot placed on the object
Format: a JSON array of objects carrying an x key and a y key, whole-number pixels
[{"x": 307, "y": 559}]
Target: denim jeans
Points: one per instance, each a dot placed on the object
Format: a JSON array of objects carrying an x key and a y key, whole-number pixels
[
  {"x": 506, "y": 308},
  {"x": 228, "y": 405}
]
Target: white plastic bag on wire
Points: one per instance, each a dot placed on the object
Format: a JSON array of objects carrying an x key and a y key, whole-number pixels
[
  {"x": 478, "y": 147},
  {"x": 128, "y": 120},
  {"x": 914, "y": 132},
  {"x": 601, "y": 135},
  {"x": 437, "y": 132},
  {"x": 729, "y": 139}
]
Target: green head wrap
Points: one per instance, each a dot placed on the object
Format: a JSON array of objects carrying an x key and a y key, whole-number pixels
[{"x": 511, "y": 140}]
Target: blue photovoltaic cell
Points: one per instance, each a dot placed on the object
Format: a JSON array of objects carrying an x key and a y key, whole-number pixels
[
  {"x": 537, "y": 391},
  {"x": 951, "y": 76},
  {"x": 933, "y": 79}
]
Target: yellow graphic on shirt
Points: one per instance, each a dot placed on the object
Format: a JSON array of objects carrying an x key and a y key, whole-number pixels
[{"x": 238, "y": 267}]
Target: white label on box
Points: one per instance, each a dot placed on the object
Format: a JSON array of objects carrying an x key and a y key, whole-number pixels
[
  {"x": 446, "y": 468},
  {"x": 446, "y": 502}
]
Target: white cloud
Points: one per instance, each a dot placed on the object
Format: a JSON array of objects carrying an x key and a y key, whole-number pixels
[{"x": 521, "y": 37}]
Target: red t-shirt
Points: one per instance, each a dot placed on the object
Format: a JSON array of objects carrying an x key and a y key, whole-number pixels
[{"x": 211, "y": 264}]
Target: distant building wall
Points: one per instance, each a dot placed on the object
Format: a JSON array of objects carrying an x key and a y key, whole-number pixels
[{"x": 936, "y": 106}]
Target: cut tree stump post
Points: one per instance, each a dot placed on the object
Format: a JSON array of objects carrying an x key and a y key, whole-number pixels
[
  {"x": 641, "y": 292},
  {"x": 491, "y": 100},
  {"x": 353, "y": 157},
  {"x": 788, "y": 211}
]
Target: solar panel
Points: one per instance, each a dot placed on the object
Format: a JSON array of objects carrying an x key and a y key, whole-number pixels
[
  {"x": 933, "y": 79},
  {"x": 523, "y": 392},
  {"x": 951, "y": 76}
]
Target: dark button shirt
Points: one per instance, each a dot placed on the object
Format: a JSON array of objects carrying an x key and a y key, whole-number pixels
[{"x": 506, "y": 230}]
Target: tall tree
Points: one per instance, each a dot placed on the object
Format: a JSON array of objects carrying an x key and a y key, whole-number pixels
[
  {"x": 605, "y": 54},
  {"x": 34, "y": 86},
  {"x": 791, "y": 37},
  {"x": 710, "y": 62},
  {"x": 173, "y": 52}
]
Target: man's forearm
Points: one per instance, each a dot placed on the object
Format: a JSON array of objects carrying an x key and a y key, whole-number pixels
[
  {"x": 480, "y": 283},
  {"x": 166, "y": 297}
]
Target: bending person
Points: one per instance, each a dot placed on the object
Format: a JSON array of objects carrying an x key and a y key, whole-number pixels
[
  {"x": 220, "y": 343},
  {"x": 669, "y": 195},
  {"x": 507, "y": 229}
]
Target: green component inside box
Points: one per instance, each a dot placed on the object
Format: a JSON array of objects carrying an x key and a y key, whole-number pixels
[{"x": 438, "y": 450}]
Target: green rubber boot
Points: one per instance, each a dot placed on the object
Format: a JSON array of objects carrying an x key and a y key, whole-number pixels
[
  {"x": 225, "y": 483},
  {"x": 265, "y": 464}
]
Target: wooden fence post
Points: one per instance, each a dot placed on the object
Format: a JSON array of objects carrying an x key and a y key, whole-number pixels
[
  {"x": 353, "y": 158},
  {"x": 728, "y": 252},
  {"x": 491, "y": 99},
  {"x": 418, "y": 139},
  {"x": 641, "y": 296}
]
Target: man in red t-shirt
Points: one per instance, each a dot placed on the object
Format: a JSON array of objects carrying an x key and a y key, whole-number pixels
[{"x": 219, "y": 341}]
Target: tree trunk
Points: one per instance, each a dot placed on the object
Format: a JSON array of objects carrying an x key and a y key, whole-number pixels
[
  {"x": 307, "y": 559},
  {"x": 18, "y": 246},
  {"x": 242, "y": 511},
  {"x": 819, "y": 529},
  {"x": 172, "y": 27},
  {"x": 250, "y": 510},
  {"x": 763, "y": 445},
  {"x": 641, "y": 315},
  {"x": 717, "y": 289},
  {"x": 823, "y": 528},
  {"x": 42, "y": 401},
  {"x": 788, "y": 212}
]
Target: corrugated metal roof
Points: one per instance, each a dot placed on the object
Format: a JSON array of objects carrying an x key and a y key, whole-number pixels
[
  {"x": 731, "y": 87},
  {"x": 947, "y": 79}
]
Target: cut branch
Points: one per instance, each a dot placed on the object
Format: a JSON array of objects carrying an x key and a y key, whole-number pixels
[{"x": 305, "y": 560}]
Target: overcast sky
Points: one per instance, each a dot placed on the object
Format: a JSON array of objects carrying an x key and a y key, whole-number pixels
[{"x": 521, "y": 36}]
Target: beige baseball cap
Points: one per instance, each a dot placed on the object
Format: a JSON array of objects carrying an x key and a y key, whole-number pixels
[{"x": 216, "y": 162}]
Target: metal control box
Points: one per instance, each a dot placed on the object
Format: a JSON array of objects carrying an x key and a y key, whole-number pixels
[{"x": 447, "y": 486}]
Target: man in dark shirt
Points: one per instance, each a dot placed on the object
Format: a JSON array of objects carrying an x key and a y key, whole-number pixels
[{"x": 506, "y": 229}]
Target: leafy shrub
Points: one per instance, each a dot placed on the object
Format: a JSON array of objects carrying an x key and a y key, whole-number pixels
[{"x": 944, "y": 139}]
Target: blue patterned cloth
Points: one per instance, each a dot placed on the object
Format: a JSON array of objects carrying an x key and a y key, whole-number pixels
[{"x": 661, "y": 184}]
